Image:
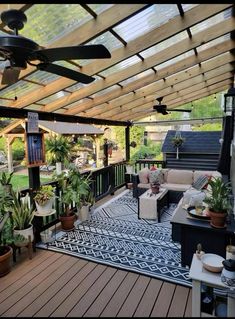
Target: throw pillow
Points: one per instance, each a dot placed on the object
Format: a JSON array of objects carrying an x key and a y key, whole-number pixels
[
  {"x": 144, "y": 175},
  {"x": 209, "y": 177},
  {"x": 155, "y": 176},
  {"x": 201, "y": 182},
  {"x": 153, "y": 168}
]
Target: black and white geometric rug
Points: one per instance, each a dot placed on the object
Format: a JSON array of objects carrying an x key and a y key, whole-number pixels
[{"x": 115, "y": 236}]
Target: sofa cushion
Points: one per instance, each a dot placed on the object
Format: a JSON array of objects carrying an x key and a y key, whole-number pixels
[
  {"x": 156, "y": 175},
  {"x": 144, "y": 175},
  {"x": 178, "y": 176},
  {"x": 201, "y": 182},
  {"x": 165, "y": 172},
  {"x": 144, "y": 185},
  {"x": 197, "y": 174},
  {"x": 176, "y": 186}
]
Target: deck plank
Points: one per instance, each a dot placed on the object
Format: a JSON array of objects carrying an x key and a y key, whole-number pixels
[
  {"x": 163, "y": 301},
  {"x": 106, "y": 294},
  {"x": 180, "y": 298},
  {"x": 147, "y": 302}
]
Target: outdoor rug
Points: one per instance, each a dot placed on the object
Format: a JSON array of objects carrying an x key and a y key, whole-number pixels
[{"x": 115, "y": 236}]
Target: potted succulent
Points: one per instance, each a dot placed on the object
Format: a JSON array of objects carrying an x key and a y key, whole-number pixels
[
  {"x": 44, "y": 199},
  {"x": 5, "y": 250},
  {"x": 22, "y": 214},
  {"x": 218, "y": 201}
]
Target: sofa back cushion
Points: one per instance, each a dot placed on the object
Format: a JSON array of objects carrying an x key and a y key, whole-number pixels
[
  {"x": 144, "y": 175},
  {"x": 180, "y": 176}
]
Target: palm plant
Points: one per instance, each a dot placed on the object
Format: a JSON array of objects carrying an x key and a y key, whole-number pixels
[
  {"x": 5, "y": 178},
  {"x": 59, "y": 149}
]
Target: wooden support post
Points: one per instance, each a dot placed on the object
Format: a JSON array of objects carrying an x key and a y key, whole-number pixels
[
  {"x": 127, "y": 137},
  {"x": 10, "y": 140},
  {"x": 105, "y": 161},
  {"x": 97, "y": 151}
]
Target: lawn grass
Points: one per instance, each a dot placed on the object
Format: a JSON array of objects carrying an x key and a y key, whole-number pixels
[{"x": 22, "y": 181}]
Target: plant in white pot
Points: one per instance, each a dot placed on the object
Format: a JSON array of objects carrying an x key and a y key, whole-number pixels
[
  {"x": 59, "y": 150},
  {"x": 130, "y": 167},
  {"x": 44, "y": 199},
  {"x": 22, "y": 213}
]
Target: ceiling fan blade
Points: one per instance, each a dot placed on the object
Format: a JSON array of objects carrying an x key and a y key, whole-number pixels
[
  {"x": 179, "y": 110},
  {"x": 68, "y": 73},
  {"x": 10, "y": 75},
  {"x": 96, "y": 51}
]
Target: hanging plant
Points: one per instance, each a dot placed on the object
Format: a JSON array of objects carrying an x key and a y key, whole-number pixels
[{"x": 177, "y": 141}]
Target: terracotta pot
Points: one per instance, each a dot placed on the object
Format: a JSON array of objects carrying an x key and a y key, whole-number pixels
[
  {"x": 217, "y": 219},
  {"x": 155, "y": 188},
  {"x": 5, "y": 262},
  {"x": 67, "y": 222}
]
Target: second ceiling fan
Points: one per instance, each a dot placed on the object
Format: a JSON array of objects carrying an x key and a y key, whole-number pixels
[{"x": 162, "y": 108}]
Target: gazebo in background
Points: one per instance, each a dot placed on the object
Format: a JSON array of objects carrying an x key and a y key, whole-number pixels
[{"x": 17, "y": 129}]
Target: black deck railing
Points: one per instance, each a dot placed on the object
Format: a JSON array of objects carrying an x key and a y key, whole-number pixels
[{"x": 105, "y": 181}]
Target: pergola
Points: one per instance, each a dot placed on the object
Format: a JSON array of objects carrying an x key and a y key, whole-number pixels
[{"x": 182, "y": 52}]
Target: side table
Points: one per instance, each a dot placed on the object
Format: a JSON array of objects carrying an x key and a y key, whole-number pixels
[
  {"x": 200, "y": 275},
  {"x": 52, "y": 212}
]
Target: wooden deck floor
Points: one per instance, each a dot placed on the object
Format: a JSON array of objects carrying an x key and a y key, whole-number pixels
[{"x": 56, "y": 285}]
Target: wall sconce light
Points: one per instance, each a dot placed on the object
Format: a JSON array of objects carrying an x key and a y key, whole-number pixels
[{"x": 229, "y": 100}]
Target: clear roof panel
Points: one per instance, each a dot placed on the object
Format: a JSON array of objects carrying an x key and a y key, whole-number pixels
[
  {"x": 174, "y": 60},
  {"x": 69, "y": 106},
  {"x": 146, "y": 20},
  {"x": 79, "y": 85},
  {"x": 136, "y": 77},
  {"x": 19, "y": 89},
  {"x": 187, "y": 6},
  {"x": 122, "y": 65},
  {"x": 34, "y": 107},
  {"x": 108, "y": 40},
  {"x": 213, "y": 42},
  {"x": 164, "y": 44},
  {"x": 54, "y": 97},
  {"x": 98, "y": 8},
  {"x": 43, "y": 77},
  {"x": 211, "y": 21},
  {"x": 47, "y": 23},
  {"x": 4, "y": 102}
]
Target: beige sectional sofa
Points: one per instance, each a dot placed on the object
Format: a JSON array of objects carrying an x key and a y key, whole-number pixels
[{"x": 175, "y": 180}]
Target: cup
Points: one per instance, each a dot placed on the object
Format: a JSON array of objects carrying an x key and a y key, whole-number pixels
[{"x": 198, "y": 208}]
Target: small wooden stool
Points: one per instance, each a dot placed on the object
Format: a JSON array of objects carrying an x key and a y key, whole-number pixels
[{"x": 31, "y": 247}]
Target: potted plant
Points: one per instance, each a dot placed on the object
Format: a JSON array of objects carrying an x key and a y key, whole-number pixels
[
  {"x": 5, "y": 249},
  {"x": 5, "y": 180},
  {"x": 22, "y": 214},
  {"x": 44, "y": 199},
  {"x": 130, "y": 166},
  {"x": 86, "y": 198},
  {"x": 58, "y": 150},
  {"x": 177, "y": 141},
  {"x": 218, "y": 201}
]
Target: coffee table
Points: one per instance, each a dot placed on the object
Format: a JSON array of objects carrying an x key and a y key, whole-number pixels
[{"x": 150, "y": 205}]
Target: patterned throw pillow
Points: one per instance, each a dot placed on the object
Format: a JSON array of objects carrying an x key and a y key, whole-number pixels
[
  {"x": 201, "y": 182},
  {"x": 155, "y": 176}
]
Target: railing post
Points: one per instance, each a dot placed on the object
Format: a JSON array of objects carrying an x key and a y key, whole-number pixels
[
  {"x": 112, "y": 179},
  {"x": 105, "y": 160},
  {"x": 127, "y": 138}
]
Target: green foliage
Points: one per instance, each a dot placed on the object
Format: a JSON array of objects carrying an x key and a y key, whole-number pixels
[
  {"x": 75, "y": 188},
  {"x": 149, "y": 151},
  {"x": 5, "y": 178},
  {"x": 208, "y": 127},
  {"x": 5, "y": 200},
  {"x": 44, "y": 194},
  {"x": 22, "y": 212},
  {"x": 218, "y": 198},
  {"x": 177, "y": 141},
  {"x": 58, "y": 148}
]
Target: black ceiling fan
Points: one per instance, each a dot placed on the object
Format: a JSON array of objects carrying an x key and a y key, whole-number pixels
[
  {"x": 162, "y": 108},
  {"x": 20, "y": 51}
]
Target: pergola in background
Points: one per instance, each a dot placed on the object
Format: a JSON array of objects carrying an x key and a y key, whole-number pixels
[{"x": 17, "y": 129}]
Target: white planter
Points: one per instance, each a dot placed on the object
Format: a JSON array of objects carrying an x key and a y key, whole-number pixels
[
  {"x": 58, "y": 167},
  {"x": 25, "y": 232},
  {"x": 84, "y": 213},
  {"x": 46, "y": 236},
  {"x": 46, "y": 208},
  {"x": 129, "y": 169}
]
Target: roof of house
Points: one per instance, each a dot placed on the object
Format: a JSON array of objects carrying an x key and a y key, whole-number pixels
[
  {"x": 206, "y": 142},
  {"x": 17, "y": 127}
]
